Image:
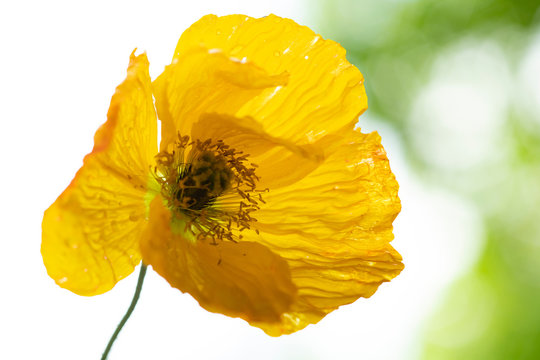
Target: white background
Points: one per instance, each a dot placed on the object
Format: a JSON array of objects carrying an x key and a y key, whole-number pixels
[{"x": 59, "y": 65}]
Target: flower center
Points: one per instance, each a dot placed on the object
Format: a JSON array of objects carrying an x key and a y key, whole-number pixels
[
  {"x": 209, "y": 186},
  {"x": 203, "y": 180}
]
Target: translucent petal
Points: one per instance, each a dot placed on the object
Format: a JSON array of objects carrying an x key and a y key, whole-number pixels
[
  {"x": 127, "y": 142},
  {"x": 206, "y": 81},
  {"x": 241, "y": 279},
  {"x": 279, "y": 162},
  {"x": 91, "y": 232},
  {"x": 334, "y": 227},
  {"x": 324, "y": 94}
]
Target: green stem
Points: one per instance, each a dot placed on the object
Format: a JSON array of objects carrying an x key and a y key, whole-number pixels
[{"x": 128, "y": 313}]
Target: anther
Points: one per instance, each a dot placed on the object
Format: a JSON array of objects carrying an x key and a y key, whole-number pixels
[{"x": 196, "y": 175}]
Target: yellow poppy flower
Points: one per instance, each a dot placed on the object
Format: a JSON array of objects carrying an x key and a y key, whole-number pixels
[{"x": 263, "y": 202}]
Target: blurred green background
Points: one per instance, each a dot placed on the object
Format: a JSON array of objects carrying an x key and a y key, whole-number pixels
[{"x": 459, "y": 82}]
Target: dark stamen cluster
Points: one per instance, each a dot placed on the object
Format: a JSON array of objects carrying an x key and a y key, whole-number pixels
[{"x": 210, "y": 184}]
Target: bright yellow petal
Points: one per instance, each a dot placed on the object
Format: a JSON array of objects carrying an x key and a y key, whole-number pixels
[
  {"x": 324, "y": 94},
  {"x": 279, "y": 162},
  {"x": 203, "y": 81},
  {"x": 127, "y": 142},
  {"x": 241, "y": 279},
  {"x": 334, "y": 227},
  {"x": 91, "y": 232},
  {"x": 353, "y": 186}
]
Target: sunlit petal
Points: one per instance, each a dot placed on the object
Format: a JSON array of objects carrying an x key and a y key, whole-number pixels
[
  {"x": 203, "y": 81},
  {"x": 324, "y": 94},
  {"x": 237, "y": 279},
  {"x": 91, "y": 232},
  {"x": 334, "y": 227}
]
